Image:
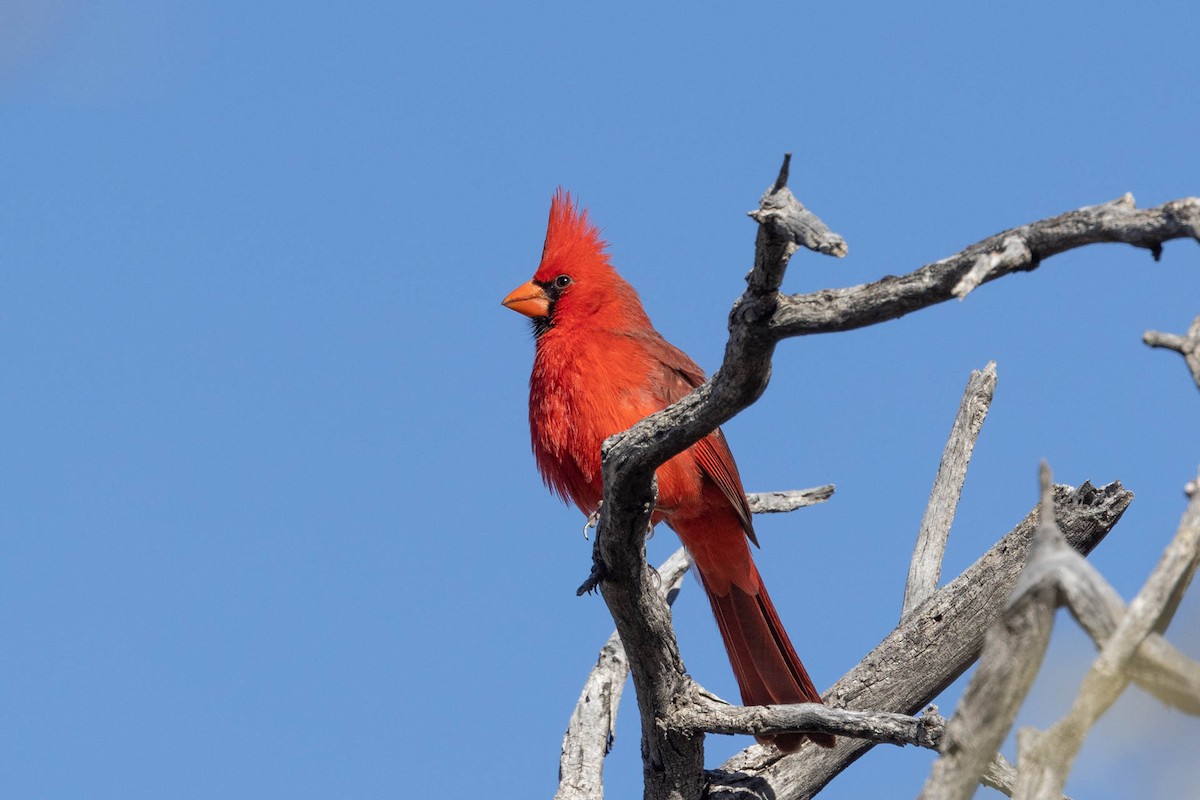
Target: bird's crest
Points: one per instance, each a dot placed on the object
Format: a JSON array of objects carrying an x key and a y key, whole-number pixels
[{"x": 571, "y": 240}]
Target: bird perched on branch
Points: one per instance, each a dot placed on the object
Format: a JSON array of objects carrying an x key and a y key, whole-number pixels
[{"x": 600, "y": 366}]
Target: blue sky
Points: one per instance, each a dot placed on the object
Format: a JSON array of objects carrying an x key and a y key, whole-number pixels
[{"x": 271, "y": 526}]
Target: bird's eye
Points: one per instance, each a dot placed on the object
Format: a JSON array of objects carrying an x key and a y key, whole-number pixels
[{"x": 562, "y": 281}]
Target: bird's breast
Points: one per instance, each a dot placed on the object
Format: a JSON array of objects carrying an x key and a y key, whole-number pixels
[{"x": 581, "y": 395}]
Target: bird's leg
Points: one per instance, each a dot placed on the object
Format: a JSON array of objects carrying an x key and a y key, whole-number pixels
[{"x": 599, "y": 568}]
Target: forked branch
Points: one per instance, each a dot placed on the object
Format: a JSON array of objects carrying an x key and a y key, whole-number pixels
[
  {"x": 673, "y": 759},
  {"x": 1130, "y": 650},
  {"x": 1187, "y": 346}
]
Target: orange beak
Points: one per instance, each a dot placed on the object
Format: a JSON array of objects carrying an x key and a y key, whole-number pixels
[{"x": 528, "y": 299}]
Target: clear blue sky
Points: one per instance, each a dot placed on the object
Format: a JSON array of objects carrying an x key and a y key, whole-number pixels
[{"x": 271, "y": 526}]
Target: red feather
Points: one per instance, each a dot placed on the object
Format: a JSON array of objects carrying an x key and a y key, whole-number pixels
[{"x": 600, "y": 367}]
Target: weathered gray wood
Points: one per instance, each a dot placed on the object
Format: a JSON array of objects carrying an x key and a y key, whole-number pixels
[
  {"x": 762, "y": 316},
  {"x": 592, "y": 727},
  {"x": 706, "y": 713},
  {"x": 1156, "y": 666},
  {"x": 925, "y": 569},
  {"x": 1001, "y": 775},
  {"x": 1187, "y": 345},
  {"x": 1056, "y": 574},
  {"x": 673, "y": 760},
  {"x": 1013, "y": 253},
  {"x": 591, "y": 730},
  {"x": 780, "y": 502},
  {"x": 1045, "y": 758},
  {"x": 889, "y": 298},
  {"x": 1012, "y": 654},
  {"x": 924, "y": 654}
]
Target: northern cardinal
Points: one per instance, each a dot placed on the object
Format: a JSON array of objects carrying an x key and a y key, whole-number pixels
[{"x": 600, "y": 366}]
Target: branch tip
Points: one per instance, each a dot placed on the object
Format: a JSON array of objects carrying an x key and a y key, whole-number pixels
[
  {"x": 782, "y": 180},
  {"x": 1046, "y": 481}
]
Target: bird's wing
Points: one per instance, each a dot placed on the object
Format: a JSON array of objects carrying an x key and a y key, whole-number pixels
[{"x": 680, "y": 376}]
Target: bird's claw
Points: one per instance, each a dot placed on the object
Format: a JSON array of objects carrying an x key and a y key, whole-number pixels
[
  {"x": 598, "y": 573},
  {"x": 592, "y": 521}
]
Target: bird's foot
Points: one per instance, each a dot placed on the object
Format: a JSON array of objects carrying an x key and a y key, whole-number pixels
[{"x": 598, "y": 574}]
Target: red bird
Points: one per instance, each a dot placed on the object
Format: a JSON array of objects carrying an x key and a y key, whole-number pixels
[{"x": 600, "y": 367}]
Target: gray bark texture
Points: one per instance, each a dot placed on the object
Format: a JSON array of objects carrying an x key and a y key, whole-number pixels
[
  {"x": 924, "y": 654},
  {"x": 940, "y": 636},
  {"x": 925, "y": 568},
  {"x": 1187, "y": 346}
]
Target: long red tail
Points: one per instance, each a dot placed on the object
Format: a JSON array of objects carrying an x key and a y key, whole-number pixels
[{"x": 766, "y": 666}]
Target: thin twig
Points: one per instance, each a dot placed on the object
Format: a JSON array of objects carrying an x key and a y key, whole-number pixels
[
  {"x": 1001, "y": 775},
  {"x": 1187, "y": 345},
  {"x": 926, "y": 566},
  {"x": 1013, "y": 253},
  {"x": 781, "y": 502}
]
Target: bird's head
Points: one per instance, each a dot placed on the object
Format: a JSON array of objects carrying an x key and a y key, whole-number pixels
[{"x": 574, "y": 283}]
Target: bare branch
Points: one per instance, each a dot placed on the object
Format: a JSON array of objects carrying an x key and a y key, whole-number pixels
[
  {"x": 1046, "y": 758},
  {"x": 794, "y": 224},
  {"x": 592, "y": 728},
  {"x": 1014, "y": 648},
  {"x": 1156, "y": 666},
  {"x": 1012, "y": 654},
  {"x": 1014, "y": 253},
  {"x": 704, "y": 713},
  {"x": 780, "y": 502},
  {"x": 673, "y": 760},
  {"x": 924, "y": 654},
  {"x": 1001, "y": 775},
  {"x": 1187, "y": 345},
  {"x": 1010, "y": 661},
  {"x": 1118, "y": 221},
  {"x": 926, "y": 566}
]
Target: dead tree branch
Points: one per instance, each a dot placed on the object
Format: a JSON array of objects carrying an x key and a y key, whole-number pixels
[
  {"x": 672, "y": 758},
  {"x": 1187, "y": 346},
  {"x": 926, "y": 566},
  {"x": 1130, "y": 650},
  {"x": 707, "y": 714},
  {"x": 591, "y": 730},
  {"x": 593, "y": 723},
  {"x": 926, "y": 652},
  {"x": 1012, "y": 654},
  {"x": 832, "y": 310},
  {"x": 780, "y": 502},
  {"x": 1045, "y": 758}
]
